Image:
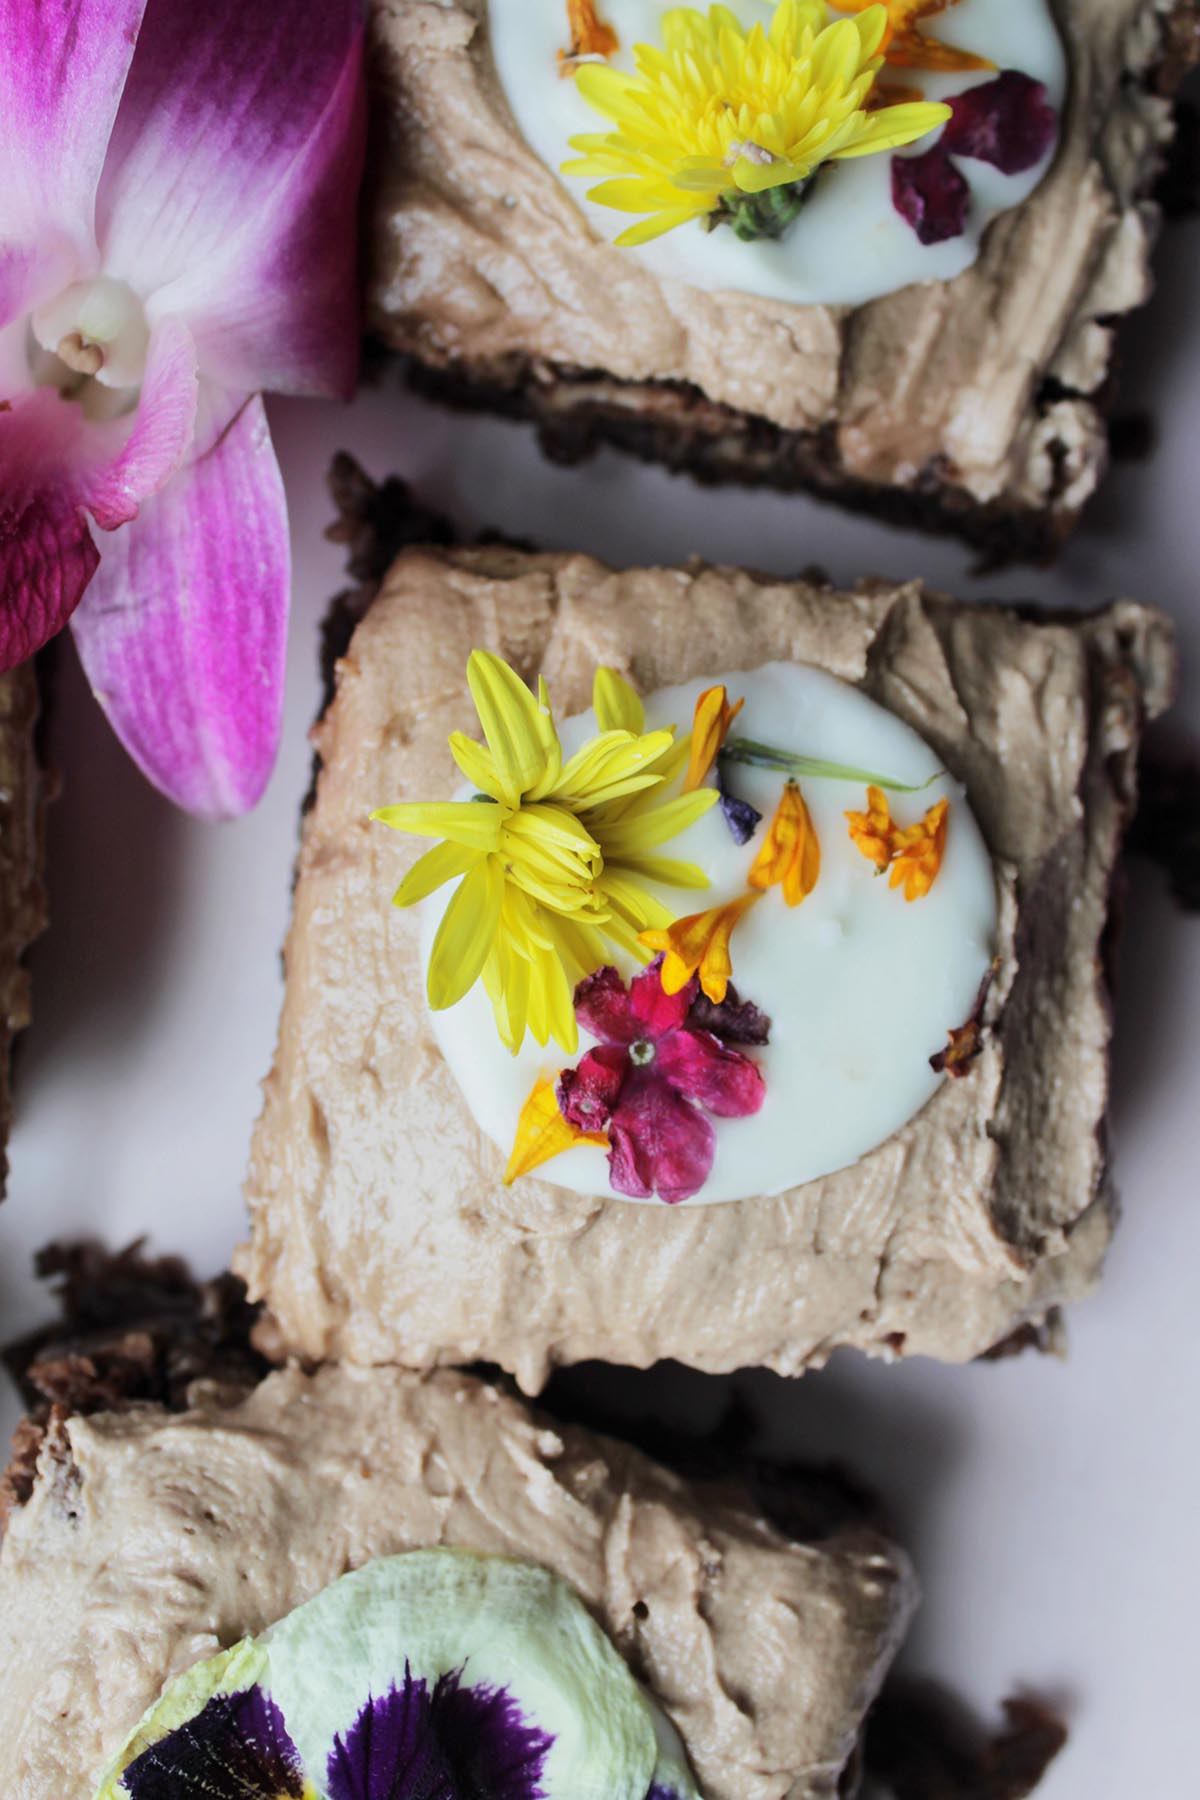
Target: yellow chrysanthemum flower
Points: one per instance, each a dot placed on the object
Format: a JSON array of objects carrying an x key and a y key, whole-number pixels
[
  {"x": 552, "y": 855},
  {"x": 725, "y": 123}
]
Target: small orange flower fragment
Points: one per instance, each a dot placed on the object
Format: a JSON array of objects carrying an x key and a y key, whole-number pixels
[
  {"x": 913, "y": 852},
  {"x": 790, "y": 855},
  {"x": 710, "y": 728},
  {"x": 906, "y": 46},
  {"x": 873, "y": 830},
  {"x": 589, "y": 35},
  {"x": 699, "y": 945},
  {"x": 919, "y": 850},
  {"x": 965, "y": 1044},
  {"x": 542, "y": 1132}
]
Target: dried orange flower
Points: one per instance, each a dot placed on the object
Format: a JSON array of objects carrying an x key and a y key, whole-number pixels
[
  {"x": 906, "y": 46},
  {"x": 965, "y": 1044},
  {"x": 710, "y": 728},
  {"x": 790, "y": 855},
  {"x": 542, "y": 1132},
  {"x": 589, "y": 35},
  {"x": 919, "y": 850},
  {"x": 873, "y": 830},
  {"x": 699, "y": 945},
  {"x": 914, "y": 852}
]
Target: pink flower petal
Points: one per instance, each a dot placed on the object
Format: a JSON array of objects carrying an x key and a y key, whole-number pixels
[
  {"x": 46, "y": 561},
  {"x": 587, "y": 1094},
  {"x": 63, "y": 65},
  {"x": 229, "y": 194},
  {"x": 602, "y": 1007},
  {"x": 1008, "y": 122},
  {"x": 661, "y": 1144},
  {"x": 124, "y": 467},
  {"x": 705, "y": 1070},
  {"x": 182, "y": 632},
  {"x": 657, "y": 1013}
]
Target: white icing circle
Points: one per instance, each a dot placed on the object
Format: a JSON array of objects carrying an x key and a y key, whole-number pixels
[
  {"x": 850, "y": 245},
  {"x": 860, "y": 984}
]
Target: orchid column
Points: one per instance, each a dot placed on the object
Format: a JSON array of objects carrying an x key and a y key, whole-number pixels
[{"x": 178, "y": 186}]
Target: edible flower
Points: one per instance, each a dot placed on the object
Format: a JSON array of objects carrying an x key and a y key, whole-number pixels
[
  {"x": 710, "y": 727},
  {"x": 590, "y": 36},
  {"x": 699, "y": 945},
  {"x": 729, "y": 125},
  {"x": 906, "y": 46},
  {"x": 543, "y": 1133},
  {"x": 1008, "y": 122},
  {"x": 552, "y": 854},
  {"x": 790, "y": 855},
  {"x": 178, "y": 190},
  {"x": 914, "y": 853},
  {"x": 651, "y": 1081}
]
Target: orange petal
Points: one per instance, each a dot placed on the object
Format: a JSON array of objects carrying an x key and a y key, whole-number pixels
[
  {"x": 542, "y": 1132},
  {"x": 913, "y": 50},
  {"x": 790, "y": 853},
  {"x": 919, "y": 852},
  {"x": 873, "y": 831},
  {"x": 589, "y": 36},
  {"x": 710, "y": 728},
  {"x": 699, "y": 945}
]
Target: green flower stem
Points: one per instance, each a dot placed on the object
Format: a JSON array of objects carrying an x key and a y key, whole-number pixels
[{"x": 765, "y": 756}]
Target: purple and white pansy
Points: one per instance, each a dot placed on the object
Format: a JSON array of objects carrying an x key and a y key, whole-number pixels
[
  {"x": 436, "y": 1675},
  {"x": 177, "y": 236}
]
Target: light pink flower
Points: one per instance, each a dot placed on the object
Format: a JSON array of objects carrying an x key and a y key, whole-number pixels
[{"x": 178, "y": 183}]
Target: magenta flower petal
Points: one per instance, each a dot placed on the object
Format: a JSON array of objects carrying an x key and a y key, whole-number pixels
[
  {"x": 160, "y": 439},
  {"x": 229, "y": 193},
  {"x": 63, "y": 65},
  {"x": 46, "y": 561},
  {"x": 182, "y": 631},
  {"x": 661, "y": 1143},
  {"x": 1008, "y": 122},
  {"x": 706, "y": 1071},
  {"x": 588, "y": 1094},
  {"x": 655, "y": 1012},
  {"x": 602, "y": 1007},
  {"x": 931, "y": 194}
]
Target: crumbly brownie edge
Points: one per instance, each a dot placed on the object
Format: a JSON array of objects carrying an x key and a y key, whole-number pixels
[{"x": 675, "y": 425}]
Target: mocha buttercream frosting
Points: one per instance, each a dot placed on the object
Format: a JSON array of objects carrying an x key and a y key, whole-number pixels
[
  {"x": 153, "y": 1540},
  {"x": 381, "y": 1230},
  {"x": 483, "y": 262}
]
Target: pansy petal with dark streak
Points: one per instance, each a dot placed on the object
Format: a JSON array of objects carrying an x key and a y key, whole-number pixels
[{"x": 235, "y": 1748}]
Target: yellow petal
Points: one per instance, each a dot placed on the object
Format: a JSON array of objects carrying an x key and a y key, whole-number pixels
[
  {"x": 710, "y": 728},
  {"x": 510, "y": 719},
  {"x": 476, "y": 763},
  {"x": 641, "y": 831},
  {"x": 790, "y": 855},
  {"x": 466, "y": 934},
  {"x": 472, "y": 823},
  {"x": 617, "y": 705},
  {"x": 432, "y": 871},
  {"x": 542, "y": 1132}
]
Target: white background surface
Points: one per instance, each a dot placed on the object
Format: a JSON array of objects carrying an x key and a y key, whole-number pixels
[{"x": 1052, "y": 1507}]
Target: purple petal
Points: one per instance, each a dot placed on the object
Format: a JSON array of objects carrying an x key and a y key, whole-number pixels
[
  {"x": 182, "y": 632},
  {"x": 602, "y": 1007},
  {"x": 588, "y": 1094},
  {"x": 236, "y": 1748},
  {"x": 410, "y": 1745},
  {"x": 63, "y": 65},
  {"x": 703, "y": 1069},
  {"x": 1008, "y": 122},
  {"x": 47, "y": 558},
  {"x": 734, "y": 1020},
  {"x": 655, "y": 1013},
  {"x": 931, "y": 194},
  {"x": 661, "y": 1144},
  {"x": 230, "y": 191}
]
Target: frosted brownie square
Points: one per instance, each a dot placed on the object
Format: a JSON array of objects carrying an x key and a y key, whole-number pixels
[
  {"x": 149, "y": 1541},
  {"x": 381, "y": 1226},
  {"x": 971, "y": 398}
]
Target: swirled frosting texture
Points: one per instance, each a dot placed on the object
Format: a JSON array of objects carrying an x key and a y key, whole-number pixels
[
  {"x": 381, "y": 1228},
  {"x": 152, "y": 1540}
]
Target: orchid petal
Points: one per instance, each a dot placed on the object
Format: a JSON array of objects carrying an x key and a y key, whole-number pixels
[
  {"x": 182, "y": 633},
  {"x": 63, "y": 65},
  {"x": 229, "y": 194},
  {"x": 47, "y": 556},
  {"x": 161, "y": 436}
]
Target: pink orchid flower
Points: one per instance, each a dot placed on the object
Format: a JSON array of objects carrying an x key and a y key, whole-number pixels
[
  {"x": 663, "y": 1060},
  {"x": 178, "y": 184}
]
